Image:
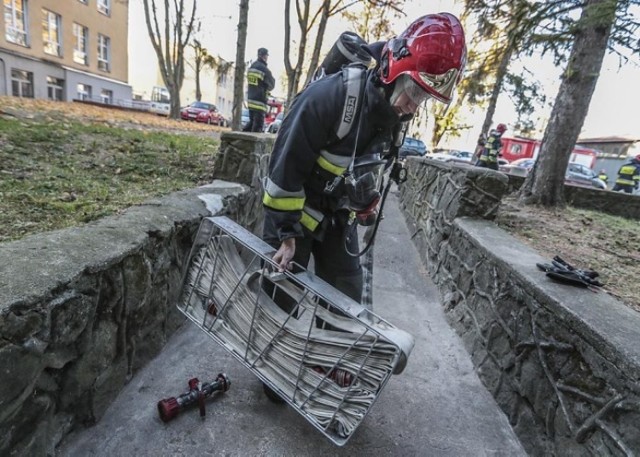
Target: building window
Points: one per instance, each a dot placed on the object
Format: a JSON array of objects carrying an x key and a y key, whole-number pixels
[
  {"x": 51, "y": 33},
  {"x": 15, "y": 21},
  {"x": 21, "y": 83},
  {"x": 104, "y": 6},
  {"x": 516, "y": 149},
  {"x": 104, "y": 52},
  {"x": 80, "y": 38},
  {"x": 55, "y": 88},
  {"x": 84, "y": 92},
  {"x": 106, "y": 96}
]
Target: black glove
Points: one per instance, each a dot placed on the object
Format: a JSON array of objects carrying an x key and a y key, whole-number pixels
[{"x": 566, "y": 273}]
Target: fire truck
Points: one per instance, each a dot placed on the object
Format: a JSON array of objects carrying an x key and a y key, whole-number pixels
[
  {"x": 274, "y": 107},
  {"x": 524, "y": 148}
]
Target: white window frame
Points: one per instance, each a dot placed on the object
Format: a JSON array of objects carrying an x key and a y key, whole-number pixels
[
  {"x": 55, "y": 86},
  {"x": 16, "y": 31},
  {"x": 104, "y": 6},
  {"x": 80, "y": 56},
  {"x": 24, "y": 80},
  {"x": 83, "y": 91},
  {"x": 104, "y": 47},
  {"x": 52, "y": 32}
]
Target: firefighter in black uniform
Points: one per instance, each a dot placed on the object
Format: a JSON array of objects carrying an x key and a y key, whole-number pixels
[
  {"x": 304, "y": 188},
  {"x": 492, "y": 147},
  {"x": 629, "y": 176},
  {"x": 260, "y": 82}
]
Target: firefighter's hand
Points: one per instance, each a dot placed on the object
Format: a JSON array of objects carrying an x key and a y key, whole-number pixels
[{"x": 285, "y": 254}]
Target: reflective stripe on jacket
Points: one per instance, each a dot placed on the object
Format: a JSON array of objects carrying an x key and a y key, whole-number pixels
[
  {"x": 629, "y": 174},
  {"x": 492, "y": 147}
]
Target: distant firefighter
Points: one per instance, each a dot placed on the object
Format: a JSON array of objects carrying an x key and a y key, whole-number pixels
[
  {"x": 492, "y": 147},
  {"x": 629, "y": 176}
]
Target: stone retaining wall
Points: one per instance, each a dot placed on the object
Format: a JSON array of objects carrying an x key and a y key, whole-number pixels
[
  {"x": 82, "y": 309},
  {"x": 614, "y": 203},
  {"x": 562, "y": 362}
]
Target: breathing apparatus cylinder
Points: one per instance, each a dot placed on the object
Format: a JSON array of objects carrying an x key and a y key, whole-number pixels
[{"x": 346, "y": 50}]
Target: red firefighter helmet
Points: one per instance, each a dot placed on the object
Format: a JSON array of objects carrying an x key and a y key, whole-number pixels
[
  {"x": 432, "y": 51},
  {"x": 501, "y": 128}
]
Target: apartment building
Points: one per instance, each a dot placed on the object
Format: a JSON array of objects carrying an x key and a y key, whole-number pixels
[{"x": 65, "y": 50}]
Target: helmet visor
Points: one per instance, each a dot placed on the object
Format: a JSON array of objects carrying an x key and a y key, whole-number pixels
[
  {"x": 443, "y": 84},
  {"x": 414, "y": 92}
]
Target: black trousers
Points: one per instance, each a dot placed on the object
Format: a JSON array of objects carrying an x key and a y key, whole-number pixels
[
  {"x": 623, "y": 188},
  {"x": 332, "y": 263},
  {"x": 256, "y": 121},
  {"x": 485, "y": 164}
]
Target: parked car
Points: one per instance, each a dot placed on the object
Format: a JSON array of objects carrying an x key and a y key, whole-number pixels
[
  {"x": 275, "y": 125},
  {"x": 244, "y": 118},
  {"x": 451, "y": 155},
  {"x": 203, "y": 112},
  {"x": 520, "y": 167},
  {"x": 577, "y": 174},
  {"x": 412, "y": 147},
  {"x": 581, "y": 175}
]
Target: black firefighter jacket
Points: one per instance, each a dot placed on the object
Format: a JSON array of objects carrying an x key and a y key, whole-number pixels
[
  {"x": 308, "y": 154},
  {"x": 259, "y": 82}
]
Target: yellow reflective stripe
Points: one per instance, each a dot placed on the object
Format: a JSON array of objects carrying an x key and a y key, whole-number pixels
[
  {"x": 278, "y": 192},
  {"x": 255, "y": 72},
  {"x": 337, "y": 160},
  {"x": 625, "y": 182},
  {"x": 309, "y": 222},
  {"x": 627, "y": 170},
  {"x": 331, "y": 168},
  {"x": 283, "y": 204},
  {"x": 257, "y": 106},
  {"x": 311, "y": 218}
]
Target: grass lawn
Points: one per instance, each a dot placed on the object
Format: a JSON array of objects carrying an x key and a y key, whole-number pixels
[{"x": 59, "y": 174}]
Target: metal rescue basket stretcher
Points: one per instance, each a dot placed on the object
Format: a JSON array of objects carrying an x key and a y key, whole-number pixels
[{"x": 330, "y": 375}]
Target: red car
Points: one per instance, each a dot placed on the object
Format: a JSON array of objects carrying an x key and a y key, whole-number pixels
[{"x": 203, "y": 112}]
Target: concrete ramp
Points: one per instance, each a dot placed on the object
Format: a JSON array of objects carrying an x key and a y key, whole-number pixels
[{"x": 436, "y": 407}]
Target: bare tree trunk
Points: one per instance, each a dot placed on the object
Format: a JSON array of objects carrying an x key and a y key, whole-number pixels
[
  {"x": 174, "y": 39},
  {"x": 322, "y": 26},
  {"x": 238, "y": 79},
  {"x": 503, "y": 67},
  {"x": 197, "y": 71},
  {"x": 545, "y": 183},
  {"x": 294, "y": 72}
]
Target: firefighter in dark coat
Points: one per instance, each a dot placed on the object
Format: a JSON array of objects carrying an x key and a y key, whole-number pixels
[
  {"x": 492, "y": 147},
  {"x": 629, "y": 176},
  {"x": 260, "y": 82},
  {"x": 304, "y": 188}
]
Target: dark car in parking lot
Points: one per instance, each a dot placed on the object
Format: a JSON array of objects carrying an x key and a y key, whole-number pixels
[{"x": 412, "y": 147}]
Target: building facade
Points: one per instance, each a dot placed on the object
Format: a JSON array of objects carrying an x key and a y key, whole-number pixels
[{"x": 65, "y": 50}]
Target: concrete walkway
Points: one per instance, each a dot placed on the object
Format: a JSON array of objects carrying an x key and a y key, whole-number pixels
[{"x": 436, "y": 407}]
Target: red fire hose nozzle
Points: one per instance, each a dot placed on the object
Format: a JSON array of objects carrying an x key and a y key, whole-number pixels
[{"x": 198, "y": 392}]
